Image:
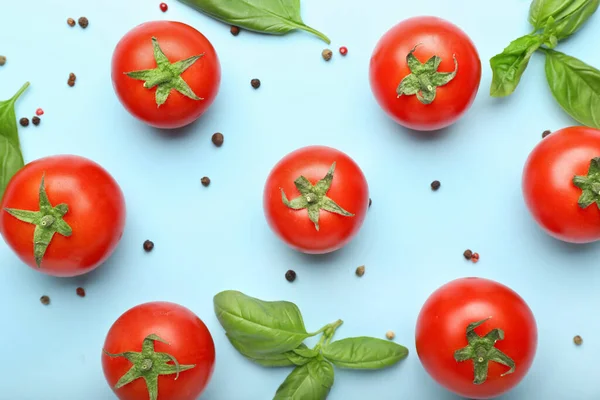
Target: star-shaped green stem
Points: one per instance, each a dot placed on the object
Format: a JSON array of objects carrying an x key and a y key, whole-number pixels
[
  {"x": 314, "y": 197},
  {"x": 166, "y": 76},
  {"x": 589, "y": 185},
  {"x": 424, "y": 79},
  {"x": 48, "y": 221},
  {"x": 481, "y": 350},
  {"x": 149, "y": 365}
]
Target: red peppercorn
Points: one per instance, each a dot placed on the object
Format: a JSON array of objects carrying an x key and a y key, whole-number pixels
[
  {"x": 475, "y": 257},
  {"x": 39, "y": 112},
  {"x": 164, "y": 7},
  {"x": 343, "y": 50}
]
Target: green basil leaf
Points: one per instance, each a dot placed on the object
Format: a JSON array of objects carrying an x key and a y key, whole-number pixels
[
  {"x": 322, "y": 371},
  {"x": 576, "y": 87},
  {"x": 11, "y": 157},
  {"x": 541, "y": 10},
  {"x": 508, "y": 66},
  {"x": 266, "y": 360},
  {"x": 364, "y": 353},
  {"x": 262, "y": 327},
  {"x": 302, "y": 385},
  {"x": 574, "y": 17},
  {"x": 302, "y": 355},
  {"x": 275, "y": 17}
]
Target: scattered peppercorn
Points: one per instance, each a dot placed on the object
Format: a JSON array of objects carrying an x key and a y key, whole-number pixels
[
  {"x": 390, "y": 335},
  {"x": 468, "y": 254},
  {"x": 435, "y": 185},
  {"x": 327, "y": 54},
  {"x": 218, "y": 139},
  {"x": 71, "y": 22},
  {"x": 36, "y": 120},
  {"x": 39, "y": 111},
  {"x": 80, "y": 292},
  {"x": 475, "y": 257},
  {"x": 290, "y": 276},
  {"x": 45, "y": 300},
  {"x": 578, "y": 340},
  {"x": 2, "y": 60},
  {"x": 72, "y": 79},
  {"x": 255, "y": 83},
  {"x": 343, "y": 50},
  {"x": 148, "y": 245},
  {"x": 24, "y": 121},
  {"x": 370, "y": 202},
  {"x": 360, "y": 271},
  {"x": 83, "y": 22},
  {"x": 235, "y": 30},
  {"x": 164, "y": 7},
  {"x": 205, "y": 181},
  {"x": 546, "y": 133}
]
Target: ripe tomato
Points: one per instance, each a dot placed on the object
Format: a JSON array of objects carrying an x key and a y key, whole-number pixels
[
  {"x": 158, "y": 336},
  {"x": 558, "y": 184},
  {"x": 70, "y": 207},
  {"x": 425, "y": 73},
  {"x": 315, "y": 199},
  {"x": 165, "y": 73},
  {"x": 476, "y": 337}
]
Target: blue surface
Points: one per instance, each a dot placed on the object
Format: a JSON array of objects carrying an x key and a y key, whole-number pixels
[{"x": 216, "y": 238}]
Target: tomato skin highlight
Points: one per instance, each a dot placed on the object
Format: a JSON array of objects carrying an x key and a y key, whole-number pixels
[
  {"x": 349, "y": 190},
  {"x": 434, "y": 36},
  {"x": 190, "y": 342},
  {"x": 96, "y": 213},
  {"x": 178, "y": 41},
  {"x": 441, "y": 330},
  {"x": 548, "y": 189}
]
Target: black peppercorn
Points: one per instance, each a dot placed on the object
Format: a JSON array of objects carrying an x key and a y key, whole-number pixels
[
  {"x": 435, "y": 185},
  {"x": 205, "y": 181},
  {"x": 83, "y": 22},
  {"x": 370, "y": 202},
  {"x": 24, "y": 121},
  {"x": 235, "y": 30},
  {"x": 255, "y": 83},
  {"x": 290, "y": 276},
  {"x": 148, "y": 245},
  {"x": 546, "y": 133},
  {"x": 36, "y": 120},
  {"x": 45, "y": 300},
  {"x": 80, "y": 292},
  {"x": 468, "y": 254},
  {"x": 218, "y": 139}
]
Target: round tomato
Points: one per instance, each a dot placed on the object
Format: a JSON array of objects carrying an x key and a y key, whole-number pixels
[
  {"x": 70, "y": 207},
  {"x": 425, "y": 73},
  {"x": 158, "y": 350},
  {"x": 558, "y": 184},
  {"x": 165, "y": 73},
  {"x": 315, "y": 199},
  {"x": 476, "y": 337}
]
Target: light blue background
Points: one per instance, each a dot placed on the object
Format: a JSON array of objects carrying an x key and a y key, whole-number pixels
[{"x": 216, "y": 238}]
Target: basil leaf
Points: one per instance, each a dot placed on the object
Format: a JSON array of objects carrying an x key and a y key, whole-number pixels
[
  {"x": 508, "y": 66},
  {"x": 576, "y": 87},
  {"x": 541, "y": 10},
  {"x": 11, "y": 157},
  {"x": 302, "y": 385},
  {"x": 266, "y": 360},
  {"x": 301, "y": 355},
  {"x": 262, "y": 327},
  {"x": 364, "y": 353},
  {"x": 275, "y": 17},
  {"x": 322, "y": 371},
  {"x": 574, "y": 17}
]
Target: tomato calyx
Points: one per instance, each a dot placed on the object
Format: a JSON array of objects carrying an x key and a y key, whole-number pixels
[
  {"x": 589, "y": 185},
  {"x": 166, "y": 76},
  {"x": 481, "y": 350},
  {"x": 148, "y": 365},
  {"x": 48, "y": 221},
  {"x": 424, "y": 79},
  {"x": 314, "y": 197}
]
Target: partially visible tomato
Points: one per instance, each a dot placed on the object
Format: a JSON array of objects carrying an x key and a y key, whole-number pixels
[
  {"x": 425, "y": 73},
  {"x": 315, "y": 199},
  {"x": 71, "y": 207},
  {"x": 561, "y": 184},
  {"x": 476, "y": 337},
  {"x": 144, "y": 345},
  {"x": 167, "y": 74}
]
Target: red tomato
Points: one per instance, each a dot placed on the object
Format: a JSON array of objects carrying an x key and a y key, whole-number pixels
[
  {"x": 430, "y": 100},
  {"x": 70, "y": 241},
  {"x": 187, "y": 88},
  {"x": 442, "y": 330},
  {"x": 549, "y": 189},
  {"x": 159, "y": 333},
  {"x": 320, "y": 217}
]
